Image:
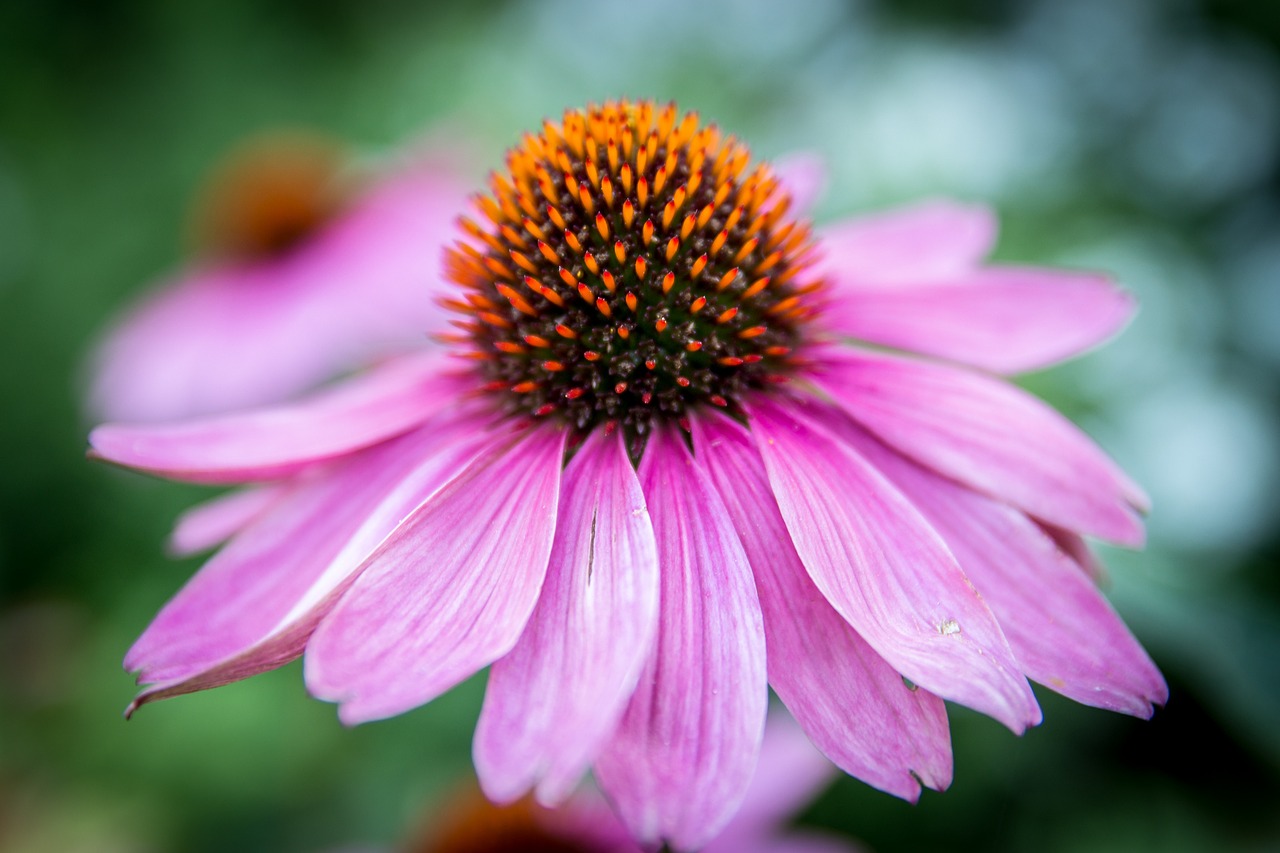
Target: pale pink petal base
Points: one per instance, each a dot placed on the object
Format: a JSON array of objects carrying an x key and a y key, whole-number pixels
[
  {"x": 853, "y": 704},
  {"x": 448, "y": 592},
  {"x": 555, "y": 699},
  {"x": 885, "y": 570},
  {"x": 686, "y": 748}
]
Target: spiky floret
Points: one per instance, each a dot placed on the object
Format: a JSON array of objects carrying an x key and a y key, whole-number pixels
[{"x": 630, "y": 266}]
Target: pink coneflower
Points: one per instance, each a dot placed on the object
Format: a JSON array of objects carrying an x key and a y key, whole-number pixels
[
  {"x": 669, "y": 448},
  {"x": 302, "y": 268},
  {"x": 791, "y": 772}
]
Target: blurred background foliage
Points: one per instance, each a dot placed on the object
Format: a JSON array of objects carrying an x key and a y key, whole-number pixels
[{"x": 1136, "y": 136}]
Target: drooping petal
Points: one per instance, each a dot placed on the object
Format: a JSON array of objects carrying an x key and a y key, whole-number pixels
[
  {"x": 554, "y": 700},
  {"x": 271, "y": 443},
  {"x": 447, "y": 593},
  {"x": 802, "y": 175},
  {"x": 852, "y": 703},
  {"x": 1063, "y": 632},
  {"x": 989, "y": 435},
  {"x": 215, "y": 521},
  {"x": 1003, "y": 319},
  {"x": 886, "y": 571},
  {"x": 920, "y": 241},
  {"x": 277, "y": 577},
  {"x": 686, "y": 747}
]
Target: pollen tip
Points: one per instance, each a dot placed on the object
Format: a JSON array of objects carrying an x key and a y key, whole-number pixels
[{"x": 580, "y": 207}]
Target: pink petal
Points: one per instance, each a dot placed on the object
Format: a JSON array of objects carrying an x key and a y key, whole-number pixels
[
  {"x": 1078, "y": 550},
  {"x": 278, "y": 576},
  {"x": 227, "y": 337},
  {"x": 920, "y": 241},
  {"x": 449, "y": 591},
  {"x": 790, "y": 774},
  {"x": 989, "y": 435},
  {"x": 852, "y": 703},
  {"x": 276, "y": 442},
  {"x": 1059, "y": 626},
  {"x": 555, "y": 699},
  {"x": 886, "y": 571},
  {"x": 686, "y": 748},
  {"x": 1005, "y": 319},
  {"x": 802, "y": 175},
  {"x": 215, "y": 521}
]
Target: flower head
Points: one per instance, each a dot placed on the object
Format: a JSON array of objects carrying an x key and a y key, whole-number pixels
[
  {"x": 303, "y": 266},
  {"x": 651, "y": 271},
  {"x": 668, "y": 450}
]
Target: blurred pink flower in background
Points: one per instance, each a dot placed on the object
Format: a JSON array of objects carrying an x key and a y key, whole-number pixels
[
  {"x": 791, "y": 773},
  {"x": 895, "y": 530},
  {"x": 304, "y": 266}
]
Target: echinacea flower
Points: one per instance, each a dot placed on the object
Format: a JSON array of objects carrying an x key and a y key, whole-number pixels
[
  {"x": 677, "y": 439},
  {"x": 790, "y": 773},
  {"x": 303, "y": 269}
]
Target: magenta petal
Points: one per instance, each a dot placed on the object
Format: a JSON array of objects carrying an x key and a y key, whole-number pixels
[
  {"x": 555, "y": 699},
  {"x": 1003, "y": 319},
  {"x": 215, "y": 521},
  {"x": 886, "y": 571},
  {"x": 449, "y": 591},
  {"x": 1074, "y": 546},
  {"x": 238, "y": 334},
  {"x": 852, "y": 703},
  {"x": 989, "y": 435},
  {"x": 686, "y": 747},
  {"x": 274, "y": 576},
  {"x": 790, "y": 775},
  {"x": 1063, "y": 632},
  {"x": 270, "y": 443},
  {"x": 921, "y": 241}
]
